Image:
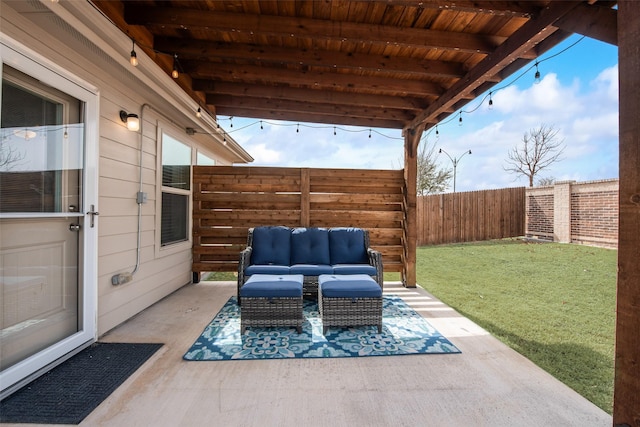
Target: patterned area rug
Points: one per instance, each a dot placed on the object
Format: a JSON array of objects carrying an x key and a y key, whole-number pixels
[{"x": 404, "y": 332}]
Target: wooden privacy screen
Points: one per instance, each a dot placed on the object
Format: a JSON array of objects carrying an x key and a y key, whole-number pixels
[
  {"x": 228, "y": 200},
  {"x": 471, "y": 216}
]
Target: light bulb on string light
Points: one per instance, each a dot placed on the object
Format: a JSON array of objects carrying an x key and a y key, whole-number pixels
[
  {"x": 134, "y": 57},
  {"x": 261, "y": 127},
  {"x": 334, "y": 130},
  {"x": 199, "y": 113},
  {"x": 175, "y": 74},
  {"x": 369, "y": 133},
  {"x": 460, "y": 119},
  {"x": 536, "y": 76},
  {"x": 490, "y": 101}
]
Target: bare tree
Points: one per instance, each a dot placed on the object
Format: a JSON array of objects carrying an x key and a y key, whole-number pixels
[
  {"x": 431, "y": 179},
  {"x": 549, "y": 180},
  {"x": 538, "y": 151},
  {"x": 8, "y": 156}
]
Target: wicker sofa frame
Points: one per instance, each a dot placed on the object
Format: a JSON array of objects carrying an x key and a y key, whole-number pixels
[{"x": 310, "y": 283}]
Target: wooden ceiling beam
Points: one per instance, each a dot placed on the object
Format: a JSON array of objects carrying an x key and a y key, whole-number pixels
[
  {"x": 315, "y": 29},
  {"x": 516, "y": 9},
  {"x": 304, "y": 95},
  {"x": 228, "y": 101},
  {"x": 524, "y": 39},
  {"x": 597, "y": 22},
  {"x": 309, "y": 117},
  {"x": 315, "y": 79},
  {"x": 200, "y": 49}
]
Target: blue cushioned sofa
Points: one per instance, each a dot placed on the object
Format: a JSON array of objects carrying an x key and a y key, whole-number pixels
[{"x": 308, "y": 251}]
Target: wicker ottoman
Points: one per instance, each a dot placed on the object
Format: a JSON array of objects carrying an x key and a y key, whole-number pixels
[
  {"x": 349, "y": 300},
  {"x": 271, "y": 300}
]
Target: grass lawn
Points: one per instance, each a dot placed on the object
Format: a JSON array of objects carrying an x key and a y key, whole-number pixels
[{"x": 553, "y": 303}]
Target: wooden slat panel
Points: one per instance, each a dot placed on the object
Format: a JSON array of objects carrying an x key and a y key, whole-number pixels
[{"x": 228, "y": 200}]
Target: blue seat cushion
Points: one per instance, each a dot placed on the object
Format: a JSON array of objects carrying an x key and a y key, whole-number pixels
[
  {"x": 272, "y": 286},
  {"x": 347, "y": 246},
  {"x": 367, "y": 269},
  {"x": 310, "y": 246},
  {"x": 266, "y": 269},
  {"x": 311, "y": 269},
  {"x": 271, "y": 245},
  {"x": 349, "y": 286}
]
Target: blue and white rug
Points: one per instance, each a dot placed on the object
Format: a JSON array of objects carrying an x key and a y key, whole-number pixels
[{"x": 403, "y": 332}]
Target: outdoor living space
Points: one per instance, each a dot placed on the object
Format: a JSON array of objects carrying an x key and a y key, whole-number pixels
[{"x": 486, "y": 384}]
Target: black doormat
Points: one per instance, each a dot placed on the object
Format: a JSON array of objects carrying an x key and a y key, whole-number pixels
[{"x": 70, "y": 391}]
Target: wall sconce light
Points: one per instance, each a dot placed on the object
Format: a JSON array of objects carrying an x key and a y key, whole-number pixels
[{"x": 132, "y": 121}]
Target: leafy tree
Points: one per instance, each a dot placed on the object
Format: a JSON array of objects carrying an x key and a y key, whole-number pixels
[
  {"x": 539, "y": 149},
  {"x": 431, "y": 179}
]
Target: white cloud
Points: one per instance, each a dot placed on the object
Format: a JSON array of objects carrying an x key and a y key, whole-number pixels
[{"x": 584, "y": 113}]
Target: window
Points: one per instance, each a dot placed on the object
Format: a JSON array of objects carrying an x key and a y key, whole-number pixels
[
  {"x": 41, "y": 147},
  {"x": 204, "y": 160},
  {"x": 176, "y": 191}
]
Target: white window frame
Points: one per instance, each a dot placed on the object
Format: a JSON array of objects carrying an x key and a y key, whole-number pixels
[{"x": 172, "y": 248}]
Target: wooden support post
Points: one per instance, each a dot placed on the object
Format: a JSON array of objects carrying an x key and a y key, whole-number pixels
[
  {"x": 305, "y": 197},
  {"x": 626, "y": 400},
  {"x": 410, "y": 232}
]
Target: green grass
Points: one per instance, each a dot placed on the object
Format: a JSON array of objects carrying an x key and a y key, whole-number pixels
[{"x": 553, "y": 303}]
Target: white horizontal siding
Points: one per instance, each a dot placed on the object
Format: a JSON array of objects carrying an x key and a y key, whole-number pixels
[{"x": 120, "y": 88}]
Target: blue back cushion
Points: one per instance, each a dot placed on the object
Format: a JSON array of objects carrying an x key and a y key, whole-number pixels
[
  {"x": 310, "y": 246},
  {"x": 271, "y": 245},
  {"x": 347, "y": 246}
]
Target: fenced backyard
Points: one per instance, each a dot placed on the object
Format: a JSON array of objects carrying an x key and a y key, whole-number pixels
[{"x": 567, "y": 212}]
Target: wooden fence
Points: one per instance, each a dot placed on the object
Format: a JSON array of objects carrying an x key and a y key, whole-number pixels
[
  {"x": 229, "y": 200},
  {"x": 470, "y": 216}
]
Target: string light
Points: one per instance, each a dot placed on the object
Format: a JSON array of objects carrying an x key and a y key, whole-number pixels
[
  {"x": 175, "y": 73},
  {"x": 230, "y": 121},
  {"x": 298, "y": 128},
  {"x": 134, "y": 58},
  {"x": 199, "y": 113},
  {"x": 261, "y": 127},
  {"x": 369, "y": 133},
  {"x": 537, "y": 77}
]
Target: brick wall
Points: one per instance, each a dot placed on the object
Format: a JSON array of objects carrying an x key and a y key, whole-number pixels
[
  {"x": 539, "y": 213},
  {"x": 583, "y": 213}
]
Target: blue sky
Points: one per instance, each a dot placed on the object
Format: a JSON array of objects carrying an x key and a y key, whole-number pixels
[{"x": 577, "y": 95}]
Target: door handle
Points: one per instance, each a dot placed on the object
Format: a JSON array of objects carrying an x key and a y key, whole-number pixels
[{"x": 93, "y": 214}]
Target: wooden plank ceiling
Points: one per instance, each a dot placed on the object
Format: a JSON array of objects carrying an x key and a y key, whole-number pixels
[{"x": 385, "y": 63}]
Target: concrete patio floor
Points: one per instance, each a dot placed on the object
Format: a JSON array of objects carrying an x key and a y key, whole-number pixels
[{"x": 487, "y": 385}]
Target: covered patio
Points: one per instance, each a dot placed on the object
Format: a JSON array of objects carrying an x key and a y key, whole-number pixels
[
  {"x": 488, "y": 384},
  {"x": 354, "y": 63}
]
